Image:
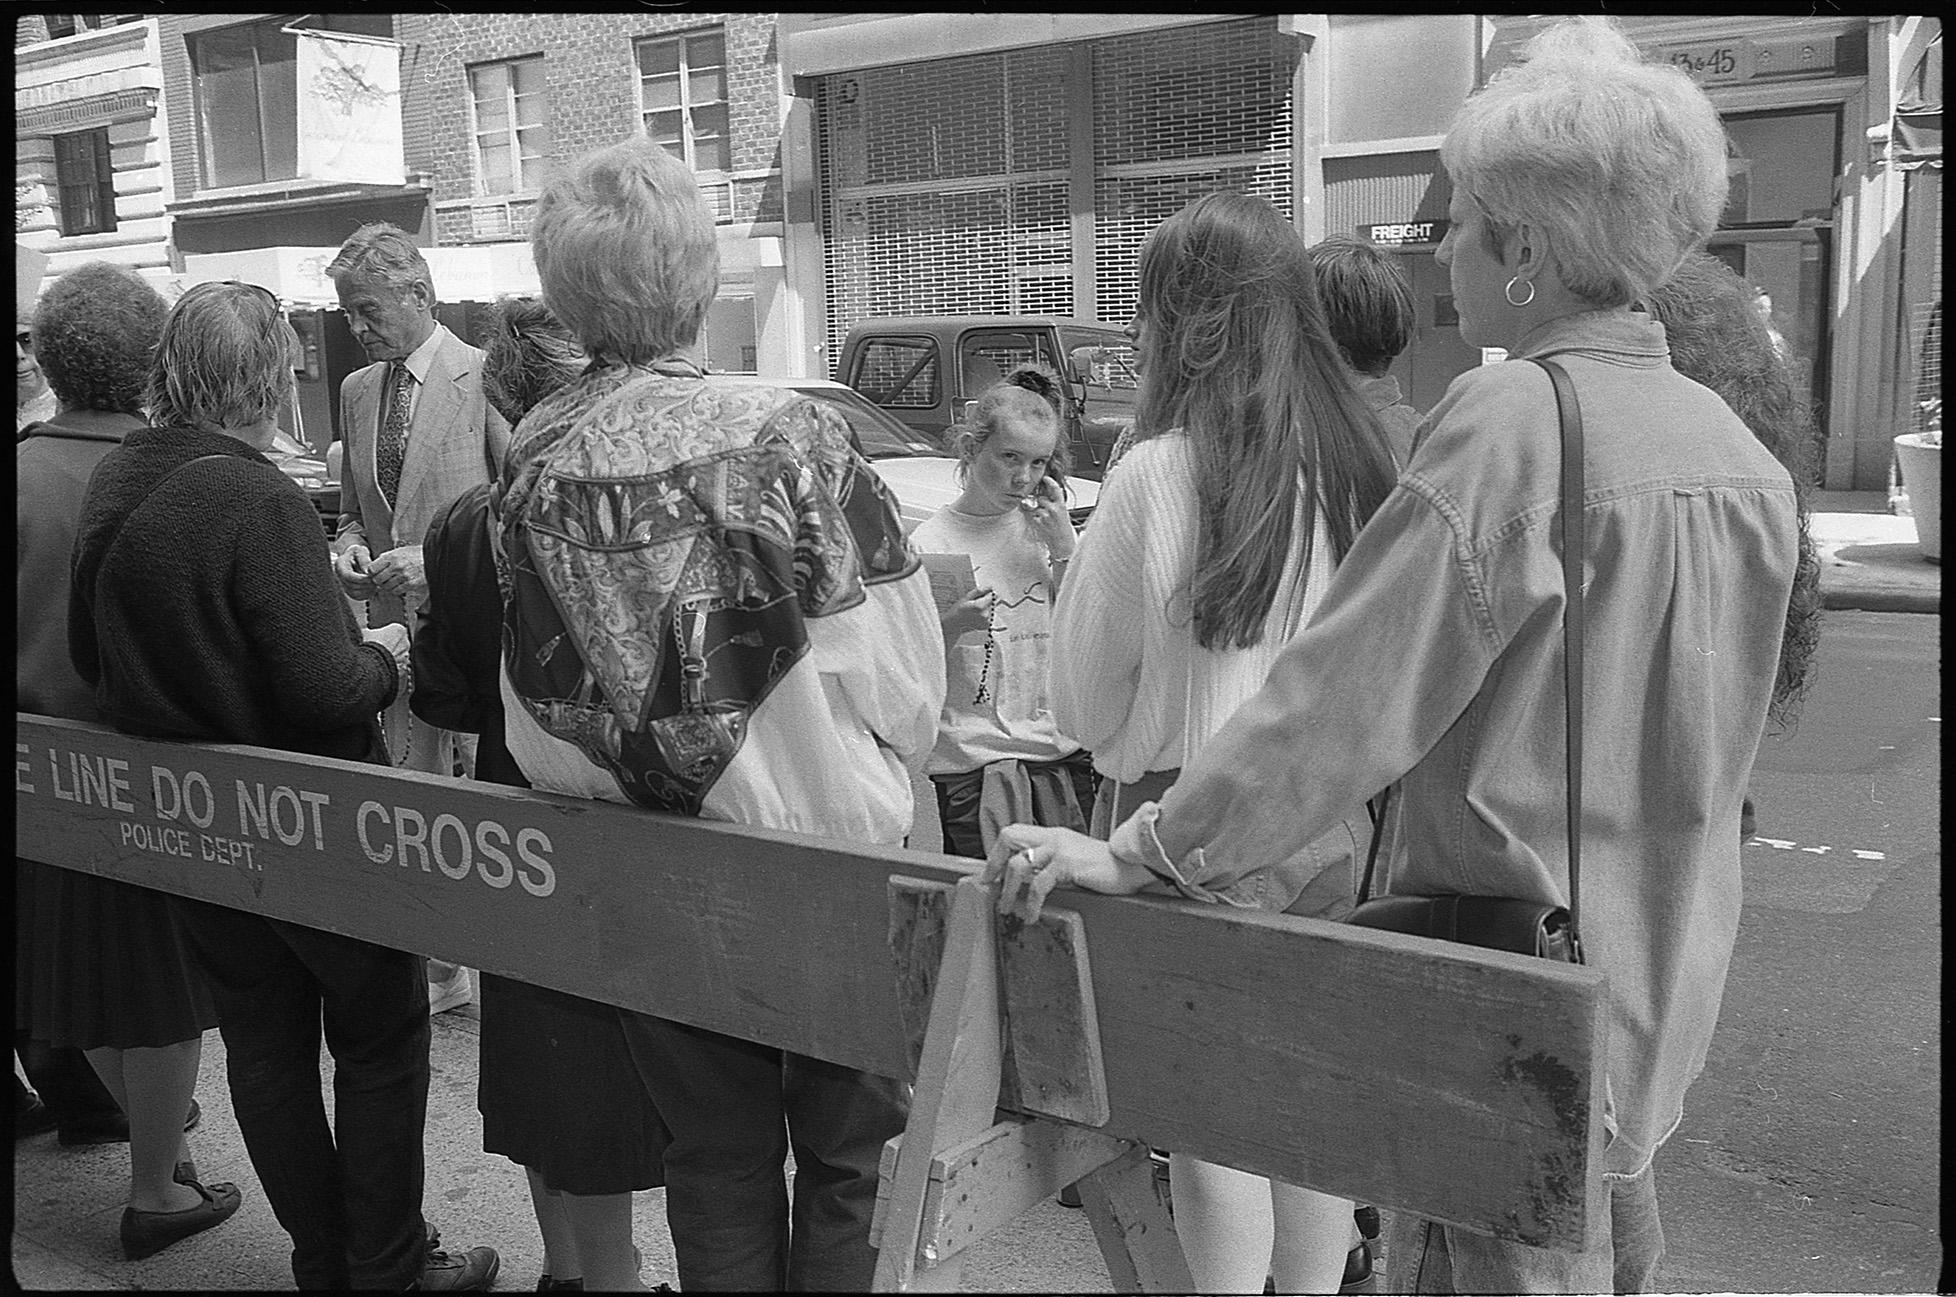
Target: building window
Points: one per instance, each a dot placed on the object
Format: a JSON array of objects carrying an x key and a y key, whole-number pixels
[
  {"x": 85, "y": 182},
  {"x": 512, "y": 125},
  {"x": 246, "y": 83},
  {"x": 247, "y": 92},
  {"x": 682, "y": 84}
]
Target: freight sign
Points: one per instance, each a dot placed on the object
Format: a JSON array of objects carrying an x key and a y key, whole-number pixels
[{"x": 1397, "y": 234}]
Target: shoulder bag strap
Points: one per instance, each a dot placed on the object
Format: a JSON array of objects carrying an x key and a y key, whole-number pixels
[{"x": 1574, "y": 547}]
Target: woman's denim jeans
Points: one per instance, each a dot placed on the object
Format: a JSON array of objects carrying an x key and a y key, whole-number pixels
[{"x": 1423, "y": 1257}]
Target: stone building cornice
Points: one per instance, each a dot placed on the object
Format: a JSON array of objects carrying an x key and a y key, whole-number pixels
[
  {"x": 129, "y": 104},
  {"x": 37, "y": 58}
]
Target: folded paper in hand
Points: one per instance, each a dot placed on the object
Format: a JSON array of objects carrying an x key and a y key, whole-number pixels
[{"x": 951, "y": 578}]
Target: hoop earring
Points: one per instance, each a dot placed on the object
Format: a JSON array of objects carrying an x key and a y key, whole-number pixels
[{"x": 1509, "y": 292}]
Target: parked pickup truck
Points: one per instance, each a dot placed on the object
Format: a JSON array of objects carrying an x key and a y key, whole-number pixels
[{"x": 924, "y": 369}]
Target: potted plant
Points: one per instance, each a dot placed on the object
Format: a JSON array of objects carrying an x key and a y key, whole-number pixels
[{"x": 1920, "y": 456}]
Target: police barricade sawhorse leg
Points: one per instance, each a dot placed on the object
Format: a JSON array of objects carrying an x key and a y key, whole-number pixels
[{"x": 1463, "y": 1085}]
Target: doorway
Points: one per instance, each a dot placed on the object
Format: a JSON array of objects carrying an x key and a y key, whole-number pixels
[{"x": 1437, "y": 354}]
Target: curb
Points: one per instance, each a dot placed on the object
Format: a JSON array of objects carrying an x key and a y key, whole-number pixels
[{"x": 1865, "y": 600}]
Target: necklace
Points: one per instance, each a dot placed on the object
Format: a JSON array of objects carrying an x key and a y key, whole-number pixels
[{"x": 991, "y": 651}]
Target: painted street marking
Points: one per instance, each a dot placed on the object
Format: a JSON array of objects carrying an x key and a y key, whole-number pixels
[{"x": 1781, "y": 844}]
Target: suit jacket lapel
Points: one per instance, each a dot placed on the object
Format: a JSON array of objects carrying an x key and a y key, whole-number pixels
[
  {"x": 364, "y": 413},
  {"x": 435, "y": 413}
]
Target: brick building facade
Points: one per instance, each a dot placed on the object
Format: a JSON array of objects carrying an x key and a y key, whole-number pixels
[
  {"x": 587, "y": 71},
  {"x": 877, "y": 163},
  {"x": 91, "y": 175}
]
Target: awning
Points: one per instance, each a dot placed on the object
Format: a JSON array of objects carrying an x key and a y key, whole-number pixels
[
  {"x": 478, "y": 272},
  {"x": 1916, "y": 133}
]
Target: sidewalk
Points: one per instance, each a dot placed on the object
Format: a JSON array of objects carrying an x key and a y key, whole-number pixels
[
  {"x": 1869, "y": 558},
  {"x": 68, "y": 1202}
]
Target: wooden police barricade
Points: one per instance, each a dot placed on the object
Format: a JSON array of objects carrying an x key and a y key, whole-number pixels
[{"x": 1463, "y": 1085}]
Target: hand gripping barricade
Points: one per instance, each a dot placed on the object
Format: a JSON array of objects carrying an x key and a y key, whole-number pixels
[{"x": 1464, "y": 1085}]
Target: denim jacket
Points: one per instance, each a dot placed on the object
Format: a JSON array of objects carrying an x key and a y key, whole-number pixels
[{"x": 1436, "y": 660}]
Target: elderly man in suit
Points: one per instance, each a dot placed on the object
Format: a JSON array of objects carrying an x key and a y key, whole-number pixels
[{"x": 418, "y": 434}]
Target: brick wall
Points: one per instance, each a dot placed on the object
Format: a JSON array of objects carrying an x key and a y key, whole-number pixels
[{"x": 591, "y": 72}]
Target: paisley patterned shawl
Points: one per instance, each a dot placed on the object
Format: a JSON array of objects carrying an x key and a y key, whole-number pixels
[{"x": 662, "y": 540}]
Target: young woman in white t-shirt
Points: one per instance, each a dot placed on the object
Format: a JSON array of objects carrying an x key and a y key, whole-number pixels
[{"x": 999, "y": 755}]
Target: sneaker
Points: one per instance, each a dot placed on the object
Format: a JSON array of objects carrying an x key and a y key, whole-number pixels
[
  {"x": 451, "y": 992},
  {"x": 473, "y": 1269}
]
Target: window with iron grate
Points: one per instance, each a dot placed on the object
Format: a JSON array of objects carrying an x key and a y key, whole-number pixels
[{"x": 946, "y": 184}]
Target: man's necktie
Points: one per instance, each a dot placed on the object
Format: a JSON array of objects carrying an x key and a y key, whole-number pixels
[{"x": 391, "y": 448}]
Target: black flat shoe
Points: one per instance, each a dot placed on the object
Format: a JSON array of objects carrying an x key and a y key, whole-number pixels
[
  {"x": 34, "y": 1119},
  {"x": 1358, "y": 1266},
  {"x": 145, "y": 1233}
]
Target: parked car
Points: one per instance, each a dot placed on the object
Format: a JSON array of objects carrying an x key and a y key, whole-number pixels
[
  {"x": 918, "y": 472},
  {"x": 924, "y": 369}
]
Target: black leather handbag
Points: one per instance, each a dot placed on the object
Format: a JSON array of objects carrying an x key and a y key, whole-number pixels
[{"x": 1503, "y": 922}]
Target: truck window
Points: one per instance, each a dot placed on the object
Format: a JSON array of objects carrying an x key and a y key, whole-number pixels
[
  {"x": 987, "y": 355},
  {"x": 900, "y": 372}
]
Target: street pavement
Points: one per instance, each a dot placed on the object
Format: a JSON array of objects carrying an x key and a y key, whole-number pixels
[{"x": 1808, "y": 1160}]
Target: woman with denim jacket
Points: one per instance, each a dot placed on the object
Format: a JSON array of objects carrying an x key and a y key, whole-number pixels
[{"x": 1582, "y": 178}]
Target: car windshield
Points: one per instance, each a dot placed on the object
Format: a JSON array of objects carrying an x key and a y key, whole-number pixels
[
  {"x": 877, "y": 434},
  {"x": 1114, "y": 360}
]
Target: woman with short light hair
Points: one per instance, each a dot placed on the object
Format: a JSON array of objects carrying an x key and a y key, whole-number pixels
[
  {"x": 625, "y": 247},
  {"x": 756, "y": 644},
  {"x": 204, "y": 610},
  {"x": 1583, "y": 176}
]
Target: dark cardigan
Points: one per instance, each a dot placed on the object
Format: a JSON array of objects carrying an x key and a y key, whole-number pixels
[
  {"x": 207, "y": 610},
  {"x": 458, "y": 645},
  {"x": 53, "y": 462}
]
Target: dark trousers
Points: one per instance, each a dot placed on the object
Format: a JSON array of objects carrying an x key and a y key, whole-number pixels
[
  {"x": 349, "y": 1194},
  {"x": 734, "y": 1109}
]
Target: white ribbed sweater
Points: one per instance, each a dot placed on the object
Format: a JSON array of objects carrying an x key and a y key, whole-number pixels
[{"x": 1128, "y": 680}]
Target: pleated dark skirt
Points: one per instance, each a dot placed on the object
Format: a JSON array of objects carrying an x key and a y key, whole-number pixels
[
  {"x": 99, "y": 963},
  {"x": 560, "y": 1093}
]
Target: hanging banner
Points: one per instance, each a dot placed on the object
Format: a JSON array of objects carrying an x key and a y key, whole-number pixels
[{"x": 349, "y": 108}]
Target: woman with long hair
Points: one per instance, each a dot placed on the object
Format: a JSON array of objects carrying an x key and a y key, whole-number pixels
[{"x": 1255, "y": 463}]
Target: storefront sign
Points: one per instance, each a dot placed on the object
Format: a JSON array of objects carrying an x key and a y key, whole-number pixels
[
  {"x": 349, "y": 108},
  {"x": 1404, "y": 233},
  {"x": 1724, "y": 62}
]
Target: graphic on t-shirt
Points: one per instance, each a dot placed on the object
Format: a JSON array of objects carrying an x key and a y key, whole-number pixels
[{"x": 1035, "y": 593}]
